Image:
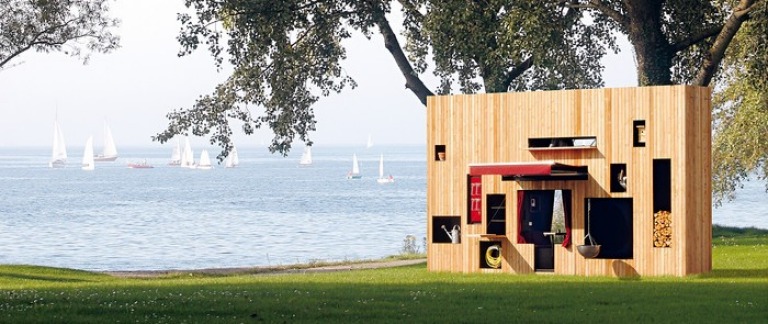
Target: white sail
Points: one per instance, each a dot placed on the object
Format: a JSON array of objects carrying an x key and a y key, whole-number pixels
[
  {"x": 59, "y": 150},
  {"x": 176, "y": 154},
  {"x": 205, "y": 161},
  {"x": 355, "y": 165},
  {"x": 369, "y": 144},
  {"x": 306, "y": 157},
  {"x": 109, "y": 151},
  {"x": 381, "y": 167},
  {"x": 187, "y": 155},
  {"x": 233, "y": 159},
  {"x": 88, "y": 160},
  {"x": 381, "y": 178},
  {"x": 355, "y": 173}
]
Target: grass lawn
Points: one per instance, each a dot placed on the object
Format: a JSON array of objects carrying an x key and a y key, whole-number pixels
[{"x": 736, "y": 291}]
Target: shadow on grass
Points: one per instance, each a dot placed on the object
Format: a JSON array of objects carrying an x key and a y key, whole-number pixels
[
  {"x": 18, "y": 273},
  {"x": 51, "y": 278}
]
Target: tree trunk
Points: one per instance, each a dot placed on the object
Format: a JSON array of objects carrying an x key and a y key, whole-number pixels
[{"x": 652, "y": 49}]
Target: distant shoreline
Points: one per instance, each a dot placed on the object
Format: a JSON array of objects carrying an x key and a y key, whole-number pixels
[{"x": 269, "y": 270}]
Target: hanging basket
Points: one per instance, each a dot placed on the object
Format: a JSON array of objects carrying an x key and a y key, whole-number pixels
[
  {"x": 592, "y": 249},
  {"x": 588, "y": 251}
]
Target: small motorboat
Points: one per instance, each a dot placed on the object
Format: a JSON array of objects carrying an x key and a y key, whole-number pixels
[{"x": 140, "y": 165}]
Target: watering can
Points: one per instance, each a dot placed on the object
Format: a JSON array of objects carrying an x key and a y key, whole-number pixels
[{"x": 453, "y": 234}]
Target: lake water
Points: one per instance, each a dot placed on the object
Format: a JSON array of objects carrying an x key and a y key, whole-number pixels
[{"x": 268, "y": 211}]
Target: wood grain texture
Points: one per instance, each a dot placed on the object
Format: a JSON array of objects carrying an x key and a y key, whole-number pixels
[{"x": 495, "y": 128}]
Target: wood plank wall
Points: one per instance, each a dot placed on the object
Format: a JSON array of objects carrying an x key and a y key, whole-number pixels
[{"x": 495, "y": 128}]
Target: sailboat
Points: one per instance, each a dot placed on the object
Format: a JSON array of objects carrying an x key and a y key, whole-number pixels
[
  {"x": 59, "y": 152},
  {"x": 176, "y": 154},
  {"x": 306, "y": 157},
  {"x": 109, "y": 151},
  {"x": 187, "y": 156},
  {"x": 381, "y": 178},
  {"x": 233, "y": 160},
  {"x": 88, "y": 160},
  {"x": 205, "y": 161},
  {"x": 140, "y": 165},
  {"x": 369, "y": 144},
  {"x": 355, "y": 173}
]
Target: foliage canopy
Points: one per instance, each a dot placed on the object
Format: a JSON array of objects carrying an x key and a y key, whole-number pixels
[
  {"x": 287, "y": 55},
  {"x": 74, "y": 27}
]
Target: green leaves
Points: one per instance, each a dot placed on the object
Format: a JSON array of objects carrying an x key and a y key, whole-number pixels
[
  {"x": 740, "y": 116},
  {"x": 75, "y": 27},
  {"x": 488, "y": 45},
  {"x": 285, "y": 54}
]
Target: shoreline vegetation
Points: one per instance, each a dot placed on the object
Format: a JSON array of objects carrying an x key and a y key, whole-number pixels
[{"x": 392, "y": 289}]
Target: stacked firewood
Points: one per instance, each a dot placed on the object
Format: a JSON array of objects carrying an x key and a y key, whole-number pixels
[{"x": 662, "y": 229}]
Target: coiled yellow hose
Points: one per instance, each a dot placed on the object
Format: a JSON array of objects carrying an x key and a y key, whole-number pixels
[{"x": 493, "y": 261}]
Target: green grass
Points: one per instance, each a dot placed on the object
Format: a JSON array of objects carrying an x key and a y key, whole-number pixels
[{"x": 736, "y": 291}]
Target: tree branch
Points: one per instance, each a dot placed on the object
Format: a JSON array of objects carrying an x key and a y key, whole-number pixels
[
  {"x": 696, "y": 38},
  {"x": 412, "y": 80},
  {"x": 724, "y": 38},
  {"x": 518, "y": 70}
]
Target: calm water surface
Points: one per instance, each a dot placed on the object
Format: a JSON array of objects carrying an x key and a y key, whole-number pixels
[{"x": 266, "y": 212}]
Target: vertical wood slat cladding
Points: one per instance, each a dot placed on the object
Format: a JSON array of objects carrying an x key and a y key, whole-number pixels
[{"x": 495, "y": 128}]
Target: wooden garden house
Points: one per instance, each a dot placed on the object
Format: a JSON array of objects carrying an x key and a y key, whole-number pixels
[{"x": 535, "y": 181}]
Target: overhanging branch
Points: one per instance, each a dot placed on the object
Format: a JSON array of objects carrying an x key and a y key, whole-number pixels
[
  {"x": 723, "y": 40},
  {"x": 412, "y": 80}
]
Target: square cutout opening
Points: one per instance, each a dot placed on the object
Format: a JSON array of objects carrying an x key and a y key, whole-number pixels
[
  {"x": 618, "y": 177},
  {"x": 639, "y": 133},
  {"x": 439, "y": 152}
]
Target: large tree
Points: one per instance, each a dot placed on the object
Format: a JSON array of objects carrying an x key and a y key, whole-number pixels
[
  {"x": 75, "y": 27},
  {"x": 686, "y": 42},
  {"x": 674, "y": 41},
  {"x": 287, "y": 55}
]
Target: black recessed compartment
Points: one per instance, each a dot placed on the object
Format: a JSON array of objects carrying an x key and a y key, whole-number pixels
[
  {"x": 662, "y": 185},
  {"x": 562, "y": 142},
  {"x": 618, "y": 177},
  {"x": 496, "y": 213},
  {"x": 609, "y": 223},
  {"x": 441, "y": 224},
  {"x": 439, "y": 152},
  {"x": 490, "y": 251},
  {"x": 638, "y": 133}
]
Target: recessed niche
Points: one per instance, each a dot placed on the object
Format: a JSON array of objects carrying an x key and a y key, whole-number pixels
[
  {"x": 490, "y": 254},
  {"x": 562, "y": 143},
  {"x": 446, "y": 229},
  {"x": 662, "y": 185},
  {"x": 496, "y": 212},
  {"x": 609, "y": 222},
  {"x": 618, "y": 177},
  {"x": 638, "y": 131},
  {"x": 439, "y": 152}
]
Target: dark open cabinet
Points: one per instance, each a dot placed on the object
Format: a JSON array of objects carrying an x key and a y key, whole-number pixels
[{"x": 544, "y": 219}]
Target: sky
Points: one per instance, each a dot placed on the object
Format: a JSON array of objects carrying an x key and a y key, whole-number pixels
[{"x": 134, "y": 87}]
